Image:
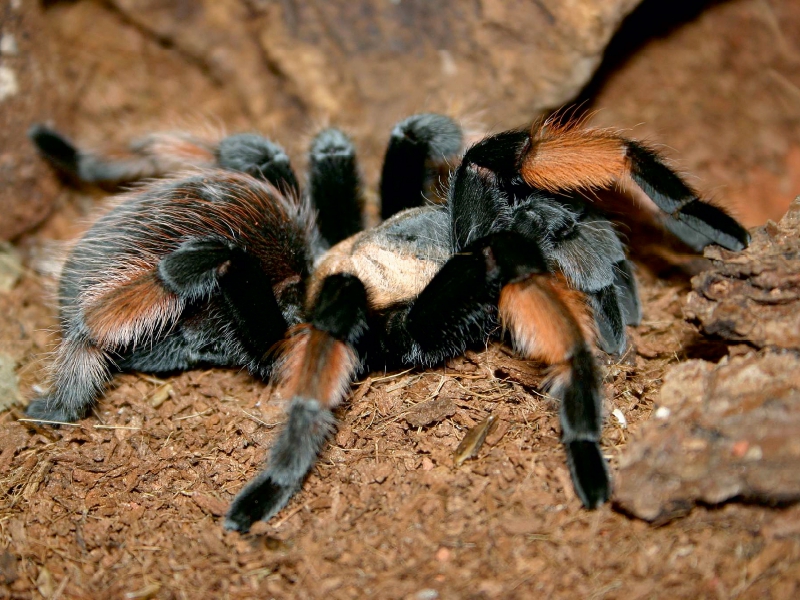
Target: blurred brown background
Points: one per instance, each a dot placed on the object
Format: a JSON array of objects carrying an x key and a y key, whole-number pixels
[{"x": 716, "y": 83}]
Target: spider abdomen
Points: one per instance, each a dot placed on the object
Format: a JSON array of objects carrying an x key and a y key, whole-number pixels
[{"x": 116, "y": 264}]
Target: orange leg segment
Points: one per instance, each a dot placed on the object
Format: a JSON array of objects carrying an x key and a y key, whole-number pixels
[
  {"x": 550, "y": 322},
  {"x": 318, "y": 362}
]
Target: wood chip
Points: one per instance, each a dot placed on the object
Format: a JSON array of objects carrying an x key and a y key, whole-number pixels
[
  {"x": 211, "y": 505},
  {"x": 472, "y": 442},
  {"x": 433, "y": 411}
]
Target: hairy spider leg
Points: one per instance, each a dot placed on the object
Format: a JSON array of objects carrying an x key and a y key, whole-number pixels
[
  {"x": 562, "y": 157},
  {"x": 548, "y": 321},
  {"x": 628, "y": 292},
  {"x": 693, "y": 220},
  {"x": 250, "y": 310},
  {"x": 95, "y": 331},
  {"x": 80, "y": 372},
  {"x": 418, "y": 147},
  {"x": 583, "y": 246},
  {"x": 615, "y": 306},
  {"x": 488, "y": 195},
  {"x": 160, "y": 154},
  {"x": 153, "y": 156},
  {"x": 260, "y": 157},
  {"x": 318, "y": 364},
  {"x": 167, "y": 322},
  {"x": 335, "y": 185}
]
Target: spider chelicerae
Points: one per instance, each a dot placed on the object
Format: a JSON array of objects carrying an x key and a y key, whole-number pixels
[{"x": 232, "y": 264}]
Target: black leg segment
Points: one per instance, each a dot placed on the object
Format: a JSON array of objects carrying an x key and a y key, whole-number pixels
[
  {"x": 253, "y": 309},
  {"x": 581, "y": 424},
  {"x": 57, "y": 149},
  {"x": 417, "y": 144},
  {"x": 320, "y": 361},
  {"x": 257, "y": 156},
  {"x": 335, "y": 185},
  {"x": 696, "y": 222},
  {"x": 628, "y": 292},
  {"x": 190, "y": 271},
  {"x": 477, "y": 206},
  {"x": 609, "y": 319},
  {"x": 293, "y": 454},
  {"x": 200, "y": 267},
  {"x": 79, "y": 375},
  {"x": 87, "y": 167}
]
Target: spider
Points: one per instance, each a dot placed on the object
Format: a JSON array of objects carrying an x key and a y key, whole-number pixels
[{"x": 231, "y": 265}]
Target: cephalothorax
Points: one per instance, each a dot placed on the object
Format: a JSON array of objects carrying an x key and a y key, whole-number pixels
[{"x": 232, "y": 265}]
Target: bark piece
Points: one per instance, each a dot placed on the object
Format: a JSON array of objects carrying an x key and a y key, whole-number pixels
[
  {"x": 753, "y": 295},
  {"x": 725, "y": 431}
]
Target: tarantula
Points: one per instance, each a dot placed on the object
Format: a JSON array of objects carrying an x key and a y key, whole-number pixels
[{"x": 226, "y": 265}]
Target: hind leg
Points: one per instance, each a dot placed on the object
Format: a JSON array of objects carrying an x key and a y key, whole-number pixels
[
  {"x": 154, "y": 156},
  {"x": 79, "y": 375},
  {"x": 160, "y": 154}
]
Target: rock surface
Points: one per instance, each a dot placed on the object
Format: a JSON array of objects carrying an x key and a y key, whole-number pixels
[
  {"x": 729, "y": 430},
  {"x": 723, "y": 431},
  {"x": 108, "y": 71}
]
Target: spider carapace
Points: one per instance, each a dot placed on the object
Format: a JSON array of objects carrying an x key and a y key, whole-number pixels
[{"x": 230, "y": 263}]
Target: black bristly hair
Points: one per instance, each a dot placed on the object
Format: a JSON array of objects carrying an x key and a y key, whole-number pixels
[
  {"x": 257, "y": 156},
  {"x": 694, "y": 221},
  {"x": 228, "y": 267},
  {"x": 335, "y": 185},
  {"x": 416, "y": 147},
  {"x": 58, "y": 150}
]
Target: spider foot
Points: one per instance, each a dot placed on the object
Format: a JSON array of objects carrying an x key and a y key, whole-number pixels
[
  {"x": 292, "y": 456},
  {"x": 48, "y": 409},
  {"x": 56, "y": 149},
  {"x": 257, "y": 156},
  {"x": 589, "y": 472},
  {"x": 259, "y": 501}
]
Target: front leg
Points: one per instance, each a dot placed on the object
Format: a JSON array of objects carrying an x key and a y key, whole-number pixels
[
  {"x": 505, "y": 275},
  {"x": 316, "y": 369}
]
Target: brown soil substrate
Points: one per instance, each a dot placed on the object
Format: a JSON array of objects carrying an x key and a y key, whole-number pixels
[{"x": 128, "y": 502}]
